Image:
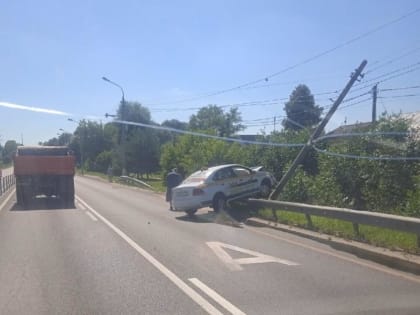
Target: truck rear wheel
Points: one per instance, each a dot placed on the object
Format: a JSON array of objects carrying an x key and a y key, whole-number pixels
[
  {"x": 70, "y": 192},
  {"x": 66, "y": 191},
  {"x": 26, "y": 196},
  {"x": 19, "y": 195}
]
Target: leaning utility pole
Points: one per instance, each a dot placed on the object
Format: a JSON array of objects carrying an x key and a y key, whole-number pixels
[{"x": 304, "y": 151}]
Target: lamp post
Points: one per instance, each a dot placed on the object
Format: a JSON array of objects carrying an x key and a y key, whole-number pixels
[
  {"x": 122, "y": 140},
  {"x": 82, "y": 142}
]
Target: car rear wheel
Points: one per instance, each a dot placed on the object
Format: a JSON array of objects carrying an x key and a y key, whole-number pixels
[
  {"x": 219, "y": 203},
  {"x": 191, "y": 212}
]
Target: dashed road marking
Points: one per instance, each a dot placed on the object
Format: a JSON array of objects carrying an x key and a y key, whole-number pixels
[
  {"x": 217, "y": 297},
  {"x": 90, "y": 215},
  {"x": 79, "y": 205},
  {"x": 183, "y": 286}
]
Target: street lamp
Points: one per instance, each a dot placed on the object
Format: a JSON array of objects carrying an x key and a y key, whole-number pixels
[
  {"x": 122, "y": 140},
  {"x": 82, "y": 141}
]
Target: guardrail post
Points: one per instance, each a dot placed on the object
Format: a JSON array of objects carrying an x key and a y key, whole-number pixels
[
  {"x": 356, "y": 229},
  {"x": 275, "y": 217},
  {"x": 309, "y": 220}
]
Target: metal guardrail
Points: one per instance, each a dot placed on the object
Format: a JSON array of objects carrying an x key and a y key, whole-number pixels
[
  {"x": 389, "y": 221},
  {"x": 137, "y": 181},
  {"x": 6, "y": 182}
]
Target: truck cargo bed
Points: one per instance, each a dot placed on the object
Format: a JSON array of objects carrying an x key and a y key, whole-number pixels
[{"x": 44, "y": 165}]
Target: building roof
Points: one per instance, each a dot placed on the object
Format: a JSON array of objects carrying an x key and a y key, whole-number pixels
[
  {"x": 414, "y": 117},
  {"x": 349, "y": 128}
]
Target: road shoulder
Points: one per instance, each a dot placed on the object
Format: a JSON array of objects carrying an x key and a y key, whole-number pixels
[{"x": 397, "y": 260}]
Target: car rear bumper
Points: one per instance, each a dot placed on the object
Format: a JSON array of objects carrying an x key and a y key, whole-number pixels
[{"x": 181, "y": 205}]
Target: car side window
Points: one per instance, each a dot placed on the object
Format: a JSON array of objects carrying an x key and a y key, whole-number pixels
[
  {"x": 240, "y": 171},
  {"x": 224, "y": 173}
]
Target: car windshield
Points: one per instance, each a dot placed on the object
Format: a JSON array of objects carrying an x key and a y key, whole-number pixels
[
  {"x": 210, "y": 157},
  {"x": 198, "y": 176}
]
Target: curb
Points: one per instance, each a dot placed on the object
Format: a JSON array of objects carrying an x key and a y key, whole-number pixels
[{"x": 397, "y": 260}]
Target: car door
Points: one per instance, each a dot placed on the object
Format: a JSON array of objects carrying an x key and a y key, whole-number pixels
[
  {"x": 226, "y": 181},
  {"x": 247, "y": 182}
]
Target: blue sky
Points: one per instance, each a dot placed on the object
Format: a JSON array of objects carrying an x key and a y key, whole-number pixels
[{"x": 54, "y": 53}]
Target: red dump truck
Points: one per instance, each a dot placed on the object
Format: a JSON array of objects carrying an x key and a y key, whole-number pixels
[{"x": 47, "y": 171}]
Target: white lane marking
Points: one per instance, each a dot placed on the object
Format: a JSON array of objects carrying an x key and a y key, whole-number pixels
[
  {"x": 12, "y": 193},
  {"x": 217, "y": 297},
  {"x": 165, "y": 271},
  {"x": 235, "y": 264},
  {"x": 79, "y": 205},
  {"x": 90, "y": 215}
]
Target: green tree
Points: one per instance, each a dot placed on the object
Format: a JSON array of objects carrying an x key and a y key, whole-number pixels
[
  {"x": 175, "y": 124},
  {"x": 62, "y": 140},
  {"x": 8, "y": 151},
  {"x": 301, "y": 110},
  {"x": 213, "y": 118},
  {"x": 190, "y": 153},
  {"x": 166, "y": 136},
  {"x": 141, "y": 144},
  {"x": 89, "y": 141},
  {"x": 374, "y": 184}
]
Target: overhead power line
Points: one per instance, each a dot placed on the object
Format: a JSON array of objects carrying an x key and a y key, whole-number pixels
[
  {"x": 267, "y": 102},
  {"x": 193, "y": 133},
  {"x": 411, "y": 66},
  {"x": 400, "y": 96},
  {"x": 388, "y": 62},
  {"x": 400, "y": 88},
  {"x": 387, "y": 76},
  {"x": 305, "y": 61}
]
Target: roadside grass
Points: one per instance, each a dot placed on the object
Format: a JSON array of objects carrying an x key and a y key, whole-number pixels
[
  {"x": 7, "y": 165},
  {"x": 157, "y": 184},
  {"x": 387, "y": 238}
]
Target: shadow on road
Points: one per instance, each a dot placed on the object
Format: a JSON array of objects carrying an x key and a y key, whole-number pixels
[
  {"x": 234, "y": 216},
  {"x": 43, "y": 203}
]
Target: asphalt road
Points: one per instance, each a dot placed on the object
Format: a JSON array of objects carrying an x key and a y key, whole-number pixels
[{"x": 120, "y": 251}]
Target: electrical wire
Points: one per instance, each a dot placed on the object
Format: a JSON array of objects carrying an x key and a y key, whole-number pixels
[
  {"x": 296, "y": 65},
  {"x": 400, "y": 88},
  {"x": 289, "y": 145},
  {"x": 400, "y": 96},
  {"x": 392, "y": 60},
  {"x": 193, "y": 133},
  {"x": 385, "y": 79},
  {"x": 364, "y": 157},
  {"x": 390, "y": 73},
  {"x": 367, "y": 157},
  {"x": 360, "y": 134}
]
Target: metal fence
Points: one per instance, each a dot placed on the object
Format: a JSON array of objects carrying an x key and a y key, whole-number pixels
[
  {"x": 389, "y": 221},
  {"x": 6, "y": 183}
]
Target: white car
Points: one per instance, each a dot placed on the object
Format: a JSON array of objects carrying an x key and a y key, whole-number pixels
[{"x": 216, "y": 186}]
